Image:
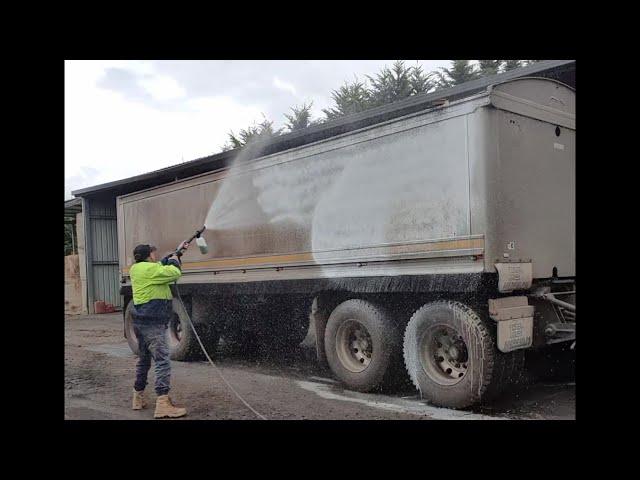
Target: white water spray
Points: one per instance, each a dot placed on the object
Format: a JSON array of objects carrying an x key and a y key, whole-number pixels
[
  {"x": 396, "y": 189},
  {"x": 234, "y": 205}
]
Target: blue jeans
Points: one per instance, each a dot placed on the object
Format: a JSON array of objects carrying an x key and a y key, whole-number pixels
[{"x": 152, "y": 343}]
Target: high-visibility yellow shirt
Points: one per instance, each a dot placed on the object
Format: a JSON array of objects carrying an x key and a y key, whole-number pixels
[{"x": 150, "y": 281}]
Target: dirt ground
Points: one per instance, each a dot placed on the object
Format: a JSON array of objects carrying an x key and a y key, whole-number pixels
[{"x": 99, "y": 373}]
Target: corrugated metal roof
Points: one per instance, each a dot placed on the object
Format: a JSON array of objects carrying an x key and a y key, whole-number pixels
[
  {"x": 73, "y": 206},
  {"x": 563, "y": 70}
]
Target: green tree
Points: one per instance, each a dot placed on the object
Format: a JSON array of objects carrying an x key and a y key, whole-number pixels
[
  {"x": 512, "y": 64},
  {"x": 69, "y": 242},
  {"x": 398, "y": 82},
  {"x": 489, "y": 67},
  {"x": 348, "y": 99},
  {"x": 391, "y": 84},
  {"x": 300, "y": 118},
  {"x": 461, "y": 71},
  {"x": 387, "y": 86},
  {"x": 421, "y": 82},
  {"x": 255, "y": 132}
]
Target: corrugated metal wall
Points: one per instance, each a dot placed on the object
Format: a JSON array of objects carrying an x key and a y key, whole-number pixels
[{"x": 102, "y": 256}]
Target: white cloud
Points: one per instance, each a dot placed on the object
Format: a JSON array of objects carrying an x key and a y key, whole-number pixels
[
  {"x": 162, "y": 87},
  {"x": 113, "y": 132},
  {"x": 287, "y": 87},
  {"x": 84, "y": 176},
  {"x": 119, "y": 138}
]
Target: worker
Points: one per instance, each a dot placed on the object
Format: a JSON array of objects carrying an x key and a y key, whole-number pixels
[{"x": 152, "y": 311}]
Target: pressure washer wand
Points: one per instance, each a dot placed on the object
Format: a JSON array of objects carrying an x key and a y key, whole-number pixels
[{"x": 202, "y": 245}]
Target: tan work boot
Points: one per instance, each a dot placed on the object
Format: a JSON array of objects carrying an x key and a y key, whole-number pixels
[
  {"x": 164, "y": 408},
  {"x": 139, "y": 402}
]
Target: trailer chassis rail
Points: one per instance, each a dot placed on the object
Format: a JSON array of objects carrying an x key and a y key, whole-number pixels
[{"x": 564, "y": 330}]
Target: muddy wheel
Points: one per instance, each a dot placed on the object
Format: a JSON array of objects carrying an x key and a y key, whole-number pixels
[
  {"x": 183, "y": 343},
  {"x": 451, "y": 356},
  {"x": 361, "y": 343},
  {"x": 132, "y": 340}
]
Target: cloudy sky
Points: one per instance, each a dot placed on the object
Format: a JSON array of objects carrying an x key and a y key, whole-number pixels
[{"x": 124, "y": 118}]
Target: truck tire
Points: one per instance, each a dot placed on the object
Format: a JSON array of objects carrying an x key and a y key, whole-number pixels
[
  {"x": 361, "y": 343},
  {"x": 452, "y": 358},
  {"x": 183, "y": 343}
]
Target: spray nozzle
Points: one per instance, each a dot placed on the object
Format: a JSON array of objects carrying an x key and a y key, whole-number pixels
[
  {"x": 202, "y": 245},
  {"x": 200, "y": 241}
]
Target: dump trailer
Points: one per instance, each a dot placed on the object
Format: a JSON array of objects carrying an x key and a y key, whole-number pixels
[{"x": 437, "y": 247}]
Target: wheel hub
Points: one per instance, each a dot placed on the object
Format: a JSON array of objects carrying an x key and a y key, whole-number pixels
[
  {"x": 361, "y": 347},
  {"x": 354, "y": 346},
  {"x": 453, "y": 353},
  {"x": 458, "y": 351},
  {"x": 444, "y": 354}
]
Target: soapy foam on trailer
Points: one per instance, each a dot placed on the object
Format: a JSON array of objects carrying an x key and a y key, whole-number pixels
[{"x": 359, "y": 197}]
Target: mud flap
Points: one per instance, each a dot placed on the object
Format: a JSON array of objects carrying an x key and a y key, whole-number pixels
[
  {"x": 514, "y": 318},
  {"x": 319, "y": 320},
  {"x": 514, "y": 276}
]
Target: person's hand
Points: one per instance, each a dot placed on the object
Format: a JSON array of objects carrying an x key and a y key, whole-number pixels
[{"x": 183, "y": 245}]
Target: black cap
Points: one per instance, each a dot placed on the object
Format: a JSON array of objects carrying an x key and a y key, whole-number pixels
[{"x": 142, "y": 252}]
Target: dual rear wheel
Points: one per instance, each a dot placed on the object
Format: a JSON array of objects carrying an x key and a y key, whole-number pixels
[
  {"x": 361, "y": 344},
  {"x": 449, "y": 352}
]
